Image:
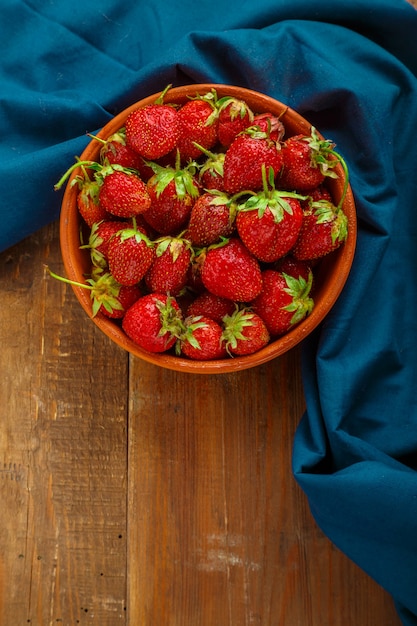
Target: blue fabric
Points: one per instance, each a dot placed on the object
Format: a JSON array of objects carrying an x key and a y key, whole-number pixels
[{"x": 351, "y": 69}]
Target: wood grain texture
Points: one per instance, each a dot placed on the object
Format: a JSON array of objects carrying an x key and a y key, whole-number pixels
[
  {"x": 220, "y": 531},
  {"x": 63, "y": 461}
]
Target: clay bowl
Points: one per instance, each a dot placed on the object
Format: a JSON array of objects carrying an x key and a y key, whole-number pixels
[{"x": 330, "y": 275}]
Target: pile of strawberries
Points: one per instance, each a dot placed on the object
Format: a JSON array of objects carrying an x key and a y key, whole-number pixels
[{"x": 205, "y": 224}]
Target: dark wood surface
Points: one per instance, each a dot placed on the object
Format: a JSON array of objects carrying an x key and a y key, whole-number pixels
[{"x": 138, "y": 496}]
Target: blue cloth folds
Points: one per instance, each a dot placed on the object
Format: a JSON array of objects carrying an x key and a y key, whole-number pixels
[{"x": 351, "y": 69}]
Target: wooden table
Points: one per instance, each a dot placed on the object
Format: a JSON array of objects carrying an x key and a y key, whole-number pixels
[{"x": 137, "y": 496}]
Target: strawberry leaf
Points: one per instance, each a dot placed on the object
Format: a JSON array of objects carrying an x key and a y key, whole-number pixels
[
  {"x": 340, "y": 227},
  {"x": 163, "y": 177},
  {"x": 299, "y": 290},
  {"x": 234, "y": 326},
  {"x": 324, "y": 211},
  {"x": 170, "y": 319}
]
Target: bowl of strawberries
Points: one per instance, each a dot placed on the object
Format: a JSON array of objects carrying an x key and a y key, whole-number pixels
[{"x": 208, "y": 228}]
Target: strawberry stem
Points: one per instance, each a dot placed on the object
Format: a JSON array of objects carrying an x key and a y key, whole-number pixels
[
  {"x": 78, "y": 163},
  {"x": 206, "y": 152},
  {"x": 102, "y": 141},
  {"x": 160, "y": 98},
  {"x": 67, "y": 280}
]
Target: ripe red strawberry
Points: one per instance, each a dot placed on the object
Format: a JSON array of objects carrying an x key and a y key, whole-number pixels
[
  {"x": 115, "y": 151},
  {"x": 88, "y": 195},
  {"x": 234, "y": 115},
  {"x": 194, "y": 280},
  {"x": 98, "y": 241},
  {"x": 154, "y": 322},
  {"x": 269, "y": 124},
  {"x": 270, "y": 230},
  {"x": 130, "y": 255},
  {"x": 125, "y": 296},
  {"x": 210, "y": 173},
  {"x": 172, "y": 191},
  {"x": 88, "y": 203},
  {"x": 212, "y": 306},
  {"x": 212, "y": 217},
  {"x": 324, "y": 229},
  {"x": 198, "y": 124},
  {"x": 244, "y": 332},
  {"x": 269, "y": 222},
  {"x": 202, "y": 339},
  {"x": 169, "y": 270},
  {"x": 153, "y": 131},
  {"x": 294, "y": 267},
  {"x": 283, "y": 302},
  {"x": 307, "y": 160},
  {"x": 245, "y": 158},
  {"x": 231, "y": 271},
  {"x": 122, "y": 193}
]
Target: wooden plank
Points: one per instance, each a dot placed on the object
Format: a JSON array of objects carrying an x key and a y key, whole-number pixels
[
  {"x": 63, "y": 399},
  {"x": 219, "y": 532}
]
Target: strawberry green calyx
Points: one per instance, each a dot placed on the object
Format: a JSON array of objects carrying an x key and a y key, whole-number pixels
[
  {"x": 299, "y": 289},
  {"x": 187, "y": 335},
  {"x": 214, "y": 161},
  {"x": 340, "y": 227},
  {"x": 221, "y": 198},
  {"x": 234, "y": 326},
  {"x": 88, "y": 187},
  {"x": 175, "y": 245},
  {"x": 211, "y": 98},
  {"x": 320, "y": 150},
  {"x": 106, "y": 168},
  {"x": 119, "y": 136},
  {"x": 94, "y": 241},
  {"x": 183, "y": 177},
  {"x": 269, "y": 197},
  {"x": 237, "y": 108},
  {"x": 104, "y": 291},
  {"x": 128, "y": 233},
  {"x": 101, "y": 170},
  {"x": 326, "y": 159},
  {"x": 170, "y": 318},
  {"x": 256, "y": 133},
  {"x": 325, "y": 211},
  {"x": 215, "y": 165},
  {"x": 276, "y": 202}
]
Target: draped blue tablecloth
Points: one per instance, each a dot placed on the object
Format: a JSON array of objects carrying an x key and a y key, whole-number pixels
[{"x": 351, "y": 69}]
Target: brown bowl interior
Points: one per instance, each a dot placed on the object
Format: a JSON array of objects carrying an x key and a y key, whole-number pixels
[{"x": 330, "y": 275}]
